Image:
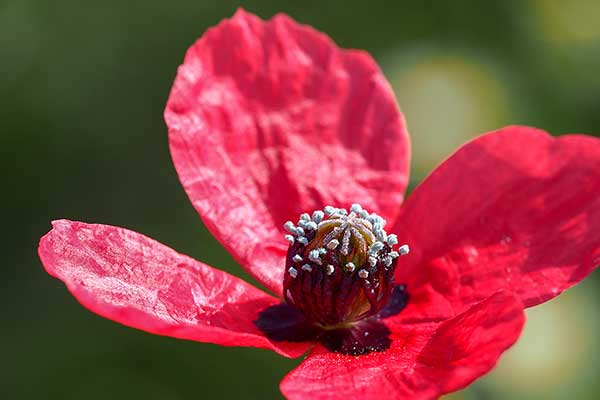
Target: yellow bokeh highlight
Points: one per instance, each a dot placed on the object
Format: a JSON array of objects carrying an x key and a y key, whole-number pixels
[
  {"x": 558, "y": 347},
  {"x": 568, "y": 22},
  {"x": 556, "y": 356},
  {"x": 447, "y": 100}
]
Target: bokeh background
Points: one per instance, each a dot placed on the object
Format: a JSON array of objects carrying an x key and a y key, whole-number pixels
[{"x": 82, "y": 90}]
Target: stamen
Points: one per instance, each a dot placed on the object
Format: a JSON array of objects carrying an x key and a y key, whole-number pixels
[
  {"x": 404, "y": 250},
  {"x": 376, "y": 219},
  {"x": 375, "y": 248},
  {"x": 304, "y": 217},
  {"x": 392, "y": 239},
  {"x": 357, "y": 208},
  {"x": 329, "y": 210},
  {"x": 289, "y": 226},
  {"x": 381, "y": 235},
  {"x": 315, "y": 255},
  {"x": 311, "y": 225},
  {"x": 352, "y": 242},
  {"x": 318, "y": 216}
]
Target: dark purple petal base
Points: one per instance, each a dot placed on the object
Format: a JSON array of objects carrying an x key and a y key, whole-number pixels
[{"x": 283, "y": 322}]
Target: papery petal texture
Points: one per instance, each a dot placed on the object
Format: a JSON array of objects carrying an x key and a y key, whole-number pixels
[
  {"x": 269, "y": 119},
  {"x": 514, "y": 209},
  {"x": 425, "y": 360},
  {"x": 136, "y": 281}
]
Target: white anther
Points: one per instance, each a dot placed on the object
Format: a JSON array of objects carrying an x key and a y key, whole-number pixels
[
  {"x": 329, "y": 269},
  {"x": 297, "y": 258},
  {"x": 303, "y": 240},
  {"x": 311, "y": 226},
  {"x": 404, "y": 250},
  {"x": 363, "y": 273},
  {"x": 315, "y": 256},
  {"x": 342, "y": 211},
  {"x": 304, "y": 217},
  {"x": 375, "y": 248},
  {"x": 350, "y": 267},
  {"x": 381, "y": 235},
  {"x": 392, "y": 239},
  {"x": 307, "y": 267},
  {"x": 329, "y": 210},
  {"x": 387, "y": 261},
  {"x": 333, "y": 244},
  {"x": 299, "y": 231},
  {"x": 394, "y": 254},
  {"x": 293, "y": 272},
  {"x": 322, "y": 250},
  {"x": 318, "y": 216},
  {"x": 364, "y": 214},
  {"x": 357, "y": 208},
  {"x": 376, "y": 219},
  {"x": 307, "y": 224},
  {"x": 289, "y": 226},
  {"x": 290, "y": 239},
  {"x": 372, "y": 261}
]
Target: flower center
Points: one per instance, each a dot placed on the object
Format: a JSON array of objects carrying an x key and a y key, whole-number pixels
[{"x": 340, "y": 265}]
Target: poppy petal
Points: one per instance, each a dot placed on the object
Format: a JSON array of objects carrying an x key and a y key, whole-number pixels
[
  {"x": 424, "y": 361},
  {"x": 514, "y": 209},
  {"x": 136, "y": 281},
  {"x": 270, "y": 119}
]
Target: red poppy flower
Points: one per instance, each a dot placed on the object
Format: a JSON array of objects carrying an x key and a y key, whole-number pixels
[{"x": 269, "y": 120}]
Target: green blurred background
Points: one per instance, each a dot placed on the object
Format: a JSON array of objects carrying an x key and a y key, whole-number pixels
[{"x": 82, "y": 90}]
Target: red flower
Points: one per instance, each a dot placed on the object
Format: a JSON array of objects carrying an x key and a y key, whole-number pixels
[{"x": 268, "y": 120}]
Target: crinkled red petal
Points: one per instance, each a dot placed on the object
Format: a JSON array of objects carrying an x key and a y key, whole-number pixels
[
  {"x": 136, "y": 281},
  {"x": 268, "y": 119},
  {"x": 514, "y": 209},
  {"x": 425, "y": 360}
]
